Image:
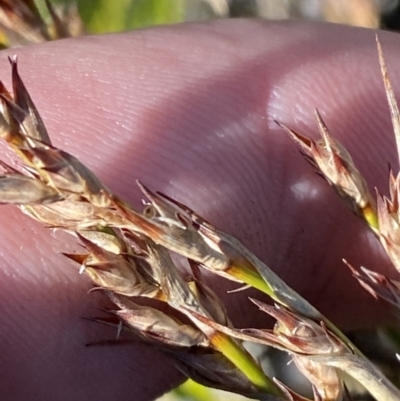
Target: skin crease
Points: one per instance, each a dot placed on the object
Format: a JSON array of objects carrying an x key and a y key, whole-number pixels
[{"x": 189, "y": 111}]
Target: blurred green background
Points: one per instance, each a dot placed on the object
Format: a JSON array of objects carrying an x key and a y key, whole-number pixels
[{"x": 101, "y": 16}]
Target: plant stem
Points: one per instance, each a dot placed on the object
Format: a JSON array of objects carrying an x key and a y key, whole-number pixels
[{"x": 245, "y": 363}]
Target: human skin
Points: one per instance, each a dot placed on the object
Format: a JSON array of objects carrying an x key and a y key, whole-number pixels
[{"x": 189, "y": 110}]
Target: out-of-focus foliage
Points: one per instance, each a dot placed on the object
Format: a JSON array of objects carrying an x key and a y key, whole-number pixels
[
  {"x": 102, "y": 16},
  {"x": 106, "y": 16}
]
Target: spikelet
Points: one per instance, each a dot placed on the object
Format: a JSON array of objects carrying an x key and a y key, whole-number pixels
[
  {"x": 336, "y": 165},
  {"x": 125, "y": 253}
]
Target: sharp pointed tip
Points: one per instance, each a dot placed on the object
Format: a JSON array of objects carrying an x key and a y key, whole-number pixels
[
  {"x": 257, "y": 302},
  {"x": 13, "y": 60},
  {"x": 88, "y": 244},
  {"x": 292, "y": 134},
  {"x": 305, "y": 144},
  {"x": 78, "y": 258},
  {"x": 320, "y": 122},
  {"x": 284, "y": 127},
  {"x": 80, "y": 236},
  {"x": 143, "y": 188},
  {"x": 140, "y": 185},
  {"x": 352, "y": 269}
]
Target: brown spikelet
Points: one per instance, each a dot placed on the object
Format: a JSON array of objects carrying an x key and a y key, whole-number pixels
[
  {"x": 125, "y": 254},
  {"x": 335, "y": 164}
]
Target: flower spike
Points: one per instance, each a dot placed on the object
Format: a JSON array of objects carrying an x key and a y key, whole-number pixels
[{"x": 335, "y": 164}]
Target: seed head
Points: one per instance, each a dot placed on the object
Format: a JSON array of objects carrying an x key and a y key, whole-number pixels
[{"x": 335, "y": 164}]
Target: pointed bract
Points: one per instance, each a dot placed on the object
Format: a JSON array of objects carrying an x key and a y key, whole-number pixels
[
  {"x": 378, "y": 285},
  {"x": 33, "y": 123},
  {"x": 21, "y": 190},
  {"x": 335, "y": 164},
  {"x": 156, "y": 326},
  {"x": 391, "y": 99}
]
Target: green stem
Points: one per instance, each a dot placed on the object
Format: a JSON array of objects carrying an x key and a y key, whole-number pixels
[
  {"x": 193, "y": 391},
  {"x": 245, "y": 363},
  {"x": 251, "y": 277}
]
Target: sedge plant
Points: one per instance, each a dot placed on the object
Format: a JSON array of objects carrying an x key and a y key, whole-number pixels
[{"x": 127, "y": 252}]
